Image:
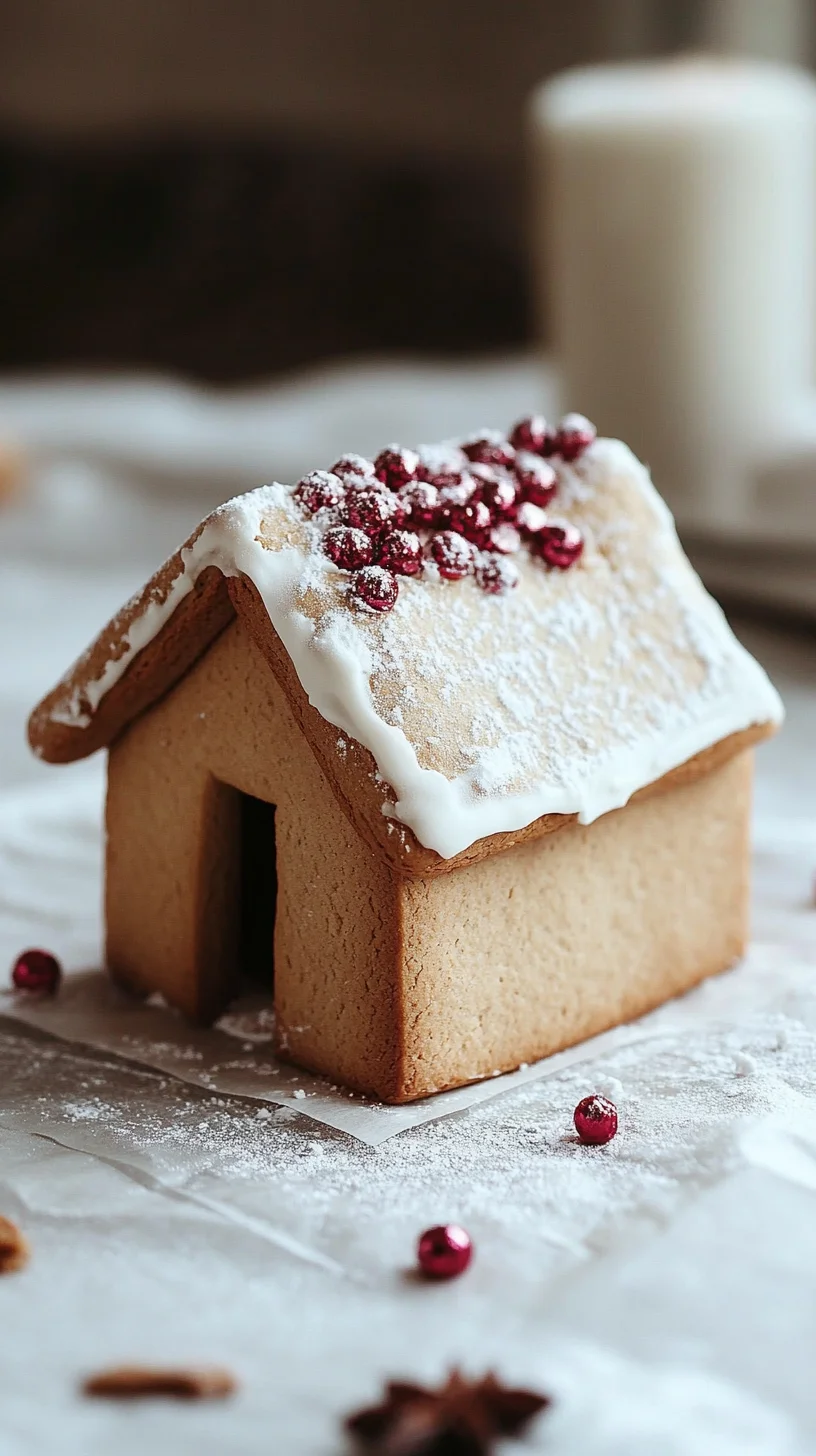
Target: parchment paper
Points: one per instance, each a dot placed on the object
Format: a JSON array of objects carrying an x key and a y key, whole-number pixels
[{"x": 50, "y": 871}]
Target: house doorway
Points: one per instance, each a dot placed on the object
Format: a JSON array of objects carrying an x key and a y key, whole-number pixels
[{"x": 258, "y": 894}]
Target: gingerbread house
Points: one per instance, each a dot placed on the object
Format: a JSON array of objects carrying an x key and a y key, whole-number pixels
[{"x": 450, "y": 748}]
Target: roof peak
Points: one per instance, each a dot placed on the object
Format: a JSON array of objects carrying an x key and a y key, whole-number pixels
[{"x": 479, "y": 712}]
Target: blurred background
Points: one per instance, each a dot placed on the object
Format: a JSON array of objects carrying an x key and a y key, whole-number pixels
[
  {"x": 233, "y": 188},
  {"x": 237, "y": 238},
  {"x": 240, "y": 236}
]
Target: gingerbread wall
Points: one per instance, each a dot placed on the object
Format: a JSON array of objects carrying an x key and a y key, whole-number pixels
[
  {"x": 393, "y": 985},
  {"x": 563, "y": 937},
  {"x": 172, "y": 870}
]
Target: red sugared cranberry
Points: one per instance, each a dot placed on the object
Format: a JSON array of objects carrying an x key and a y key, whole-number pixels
[
  {"x": 36, "y": 971},
  {"x": 444, "y": 1252},
  {"x": 489, "y": 448},
  {"x": 496, "y": 488},
  {"x": 370, "y": 509},
  {"x": 354, "y": 467},
  {"x": 495, "y": 575},
  {"x": 375, "y": 588},
  {"x": 401, "y": 552},
  {"x": 574, "y": 435},
  {"x": 472, "y": 520},
  {"x": 348, "y": 548},
  {"x": 420, "y": 502},
  {"x": 456, "y": 493},
  {"x": 443, "y": 477},
  {"x": 537, "y": 481},
  {"x": 596, "y": 1120},
  {"x": 530, "y": 519},
  {"x": 504, "y": 538},
  {"x": 559, "y": 545},
  {"x": 452, "y": 554},
  {"x": 442, "y": 465},
  {"x": 395, "y": 466},
  {"x": 534, "y": 435},
  {"x": 318, "y": 490}
]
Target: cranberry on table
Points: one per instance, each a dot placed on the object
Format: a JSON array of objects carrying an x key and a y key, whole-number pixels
[
  {"x": 36, "y": 971},
  {"x": 496, "y": 575},
  {"x": 375, "y": 588},
  {"x": 452, "y": 554},
  {"x": 348, "y": 547},
  {"x": 395, "y": 466},
  {"x": 444, "y": 1252},
  {"x": 536, "y": 479},
  {"x": 596, "y": 1120},
  {"x": 319, "y": 490},
  {"x": 401, "y": 552},
  {"x": 534, "y": 435},
  {"x": 574, "y": 435},
  {"x": 559, "y": 545}
]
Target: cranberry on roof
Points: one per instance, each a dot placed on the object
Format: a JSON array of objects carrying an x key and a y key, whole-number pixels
[{"x": 460, "y": 506}]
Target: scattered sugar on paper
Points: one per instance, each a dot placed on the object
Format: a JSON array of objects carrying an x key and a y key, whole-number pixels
[{"x": 511, "y": 1163}]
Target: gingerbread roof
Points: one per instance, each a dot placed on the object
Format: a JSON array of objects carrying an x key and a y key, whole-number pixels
[{"x": 467, "y": 717}]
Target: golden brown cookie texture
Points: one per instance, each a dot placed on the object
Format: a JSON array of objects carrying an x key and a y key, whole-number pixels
[{"x": 402, "y": 969}]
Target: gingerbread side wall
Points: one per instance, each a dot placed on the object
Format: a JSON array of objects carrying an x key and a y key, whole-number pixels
[
  {"x": 519, "y": 956},
  {"x": 175, "y": 777}
]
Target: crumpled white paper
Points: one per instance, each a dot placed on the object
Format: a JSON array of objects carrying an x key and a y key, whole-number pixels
[
  {"x": 50, "y": 872},
  {"x": 662, "y": 1289},
  {"x": 120, "y": 472}
]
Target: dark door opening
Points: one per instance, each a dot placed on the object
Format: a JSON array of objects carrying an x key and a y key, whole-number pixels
[{"x": 259, "y": 894}]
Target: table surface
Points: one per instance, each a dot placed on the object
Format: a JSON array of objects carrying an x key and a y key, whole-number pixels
[{"x": 660, "y": 1289}]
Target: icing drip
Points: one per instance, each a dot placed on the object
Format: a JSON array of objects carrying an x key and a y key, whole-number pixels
[{"x": 482, "y": 711}]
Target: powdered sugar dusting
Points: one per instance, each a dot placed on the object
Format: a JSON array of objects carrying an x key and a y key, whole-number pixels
[
  {"x": 513, "y": 1163},
  {"x": 484, "y": 712},
  {"x": 564, "y": 696}
]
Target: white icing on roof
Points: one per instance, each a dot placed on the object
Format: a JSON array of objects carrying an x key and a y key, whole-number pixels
[{"x": 484, "y": 712}]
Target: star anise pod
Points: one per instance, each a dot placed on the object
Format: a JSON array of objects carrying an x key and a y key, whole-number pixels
[{"x": 461, "y": 1418}]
